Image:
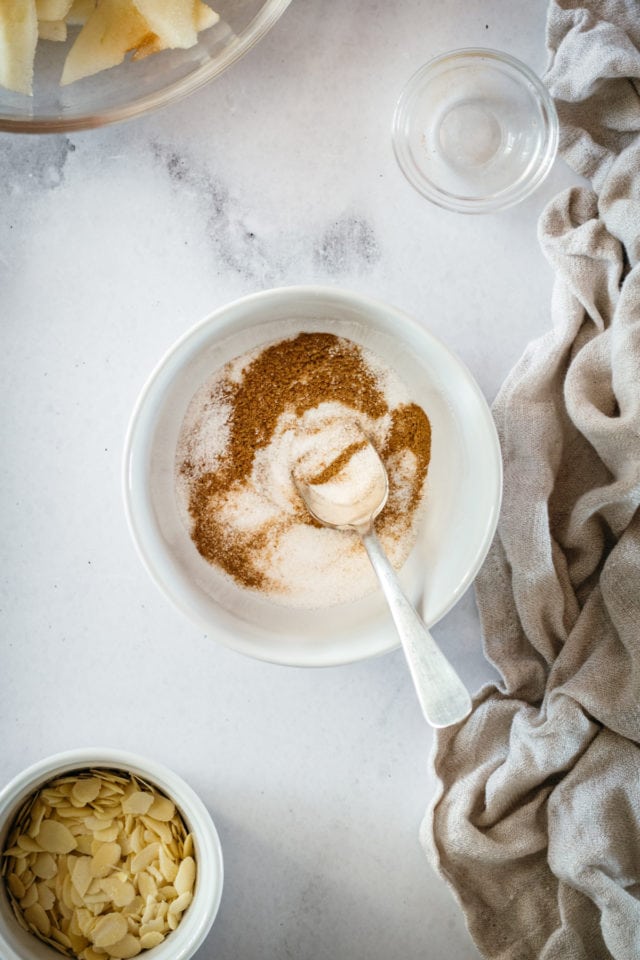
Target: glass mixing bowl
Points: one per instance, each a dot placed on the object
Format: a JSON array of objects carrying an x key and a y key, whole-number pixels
[{"x": 133, "y": 88}]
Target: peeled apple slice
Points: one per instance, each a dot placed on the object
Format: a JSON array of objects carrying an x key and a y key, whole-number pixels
[
  {"x": 52, "y": 30},
  {"x": 52, "y": 9},
  {"x": 18, "y": 39},
  {"x": 80, "y": 11},
  {"x": 151, "y": 44},
  {"x": 114, "y": 28},
  {"x": 174, "y": 21},
  {"x": 205, "y": 16}
]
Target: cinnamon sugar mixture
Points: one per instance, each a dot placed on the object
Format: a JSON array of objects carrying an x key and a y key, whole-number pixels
[{"x": 309, "y": 398}]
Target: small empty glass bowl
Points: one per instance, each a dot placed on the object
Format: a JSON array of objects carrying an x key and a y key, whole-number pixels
[{"x": 475, "y": 131}]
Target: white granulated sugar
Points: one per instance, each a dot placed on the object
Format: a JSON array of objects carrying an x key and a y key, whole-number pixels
[
  {"x": 403, "y": 465},
  {"x": 247, "y": 510},
  {"x": 205, "y": 431},
  {"x": 389, "y": 382},
  {"x": 301, "y": 565},
  {"x": 316, "y": 560}
]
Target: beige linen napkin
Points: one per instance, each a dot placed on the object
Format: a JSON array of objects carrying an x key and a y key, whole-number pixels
[{"x": 537, "y": 825}]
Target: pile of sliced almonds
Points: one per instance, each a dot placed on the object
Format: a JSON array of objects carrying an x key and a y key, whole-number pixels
[
  {"x": 110, "y": 30},
  {"x": 99, "y": 864}
]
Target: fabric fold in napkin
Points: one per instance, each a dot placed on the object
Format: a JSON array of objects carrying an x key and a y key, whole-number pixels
[{"x": 537, "y": 824}]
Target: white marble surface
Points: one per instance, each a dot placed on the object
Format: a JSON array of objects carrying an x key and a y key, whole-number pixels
[{"x": 112, "y": 243}]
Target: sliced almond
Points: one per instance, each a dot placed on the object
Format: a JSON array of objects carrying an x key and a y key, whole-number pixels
[
  {"x": 16, "y": 886},
  {"x": 19, "y": 915},
  {"x": 30, "y": 844},
  {"x": 108, "y": 835},
  {"x": 151, "y": 939},
  {"x": 17, "y": 852},
  {"x": 90, "y": 954},
  {"x": 20, "y": 866},
  {"x": 133, "y": 908},
  {"x": 186, "y": 876},
  {"x": 92, "y": 824},
  {"x": 138, "y": 803},
  {"x": 55, "y": 838},
  {"x": 61, "y": 938},
  {"x": 155, "y": 924},
  {"x": 85, "y": 790},
  {"x": 126, "y": 948},
  {"x": 167, "y": 892},
  {"x": 180, "y": 905},
  {"x": 160, "y": 827},
  {"x": 81, "y": 876},
  {"x": 109, "y": 930},
  {"x": 162, "y": 809},
  {"x": 146, "y": 856},
  {"x": 120, "y": 892},
  {"x": 38, "y": 811},
  {"x": 168, "y": 866},
  {"x": 83, "y": 922},
  {"x": 44, "y": 866},
  {"x": 187, "y": 846},
  {"x": 78, "y": 944},
  {"x": 105, "y": 859},
  {"x": 36, "y": 916},
  {"x": 30, "y": 897},
  {"x": 84, "y": 845},
  {"x": 46, "y": 896},
  {"x": 146, "y": 885}
]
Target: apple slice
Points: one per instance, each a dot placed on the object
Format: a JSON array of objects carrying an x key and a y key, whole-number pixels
[
  {"x": 205, "y": 16},
  {"x": 52, "y": 9},
  {"x": 79, "y": 12},
  {"x": 52, "y": 30},
  {"x": 18, "y": 39},
  {"x": 114, "y": 28},
  {"x": 151, "y": 44},
  {"x": 174, "y": 21}
]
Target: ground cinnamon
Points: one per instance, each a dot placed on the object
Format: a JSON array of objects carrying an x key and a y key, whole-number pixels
[{"x": 295, "y": 375}]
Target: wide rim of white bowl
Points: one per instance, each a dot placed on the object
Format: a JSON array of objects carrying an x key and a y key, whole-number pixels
[{"x": 197, "y": 337}]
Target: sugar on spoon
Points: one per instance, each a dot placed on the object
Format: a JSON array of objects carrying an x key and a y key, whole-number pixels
[{"x": 351, "y": 499}]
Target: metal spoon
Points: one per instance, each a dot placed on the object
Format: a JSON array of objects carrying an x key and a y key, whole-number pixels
[{"x": 442, "y": 695}]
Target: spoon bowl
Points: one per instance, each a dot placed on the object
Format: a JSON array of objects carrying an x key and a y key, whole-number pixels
[{"x": 349, "y": 494}]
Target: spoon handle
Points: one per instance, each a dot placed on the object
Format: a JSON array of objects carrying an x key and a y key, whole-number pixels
[{"x": 442, "y": 695}]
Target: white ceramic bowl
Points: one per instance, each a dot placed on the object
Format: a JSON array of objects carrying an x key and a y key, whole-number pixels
[
  {"x": 182, "y": 943},
  {"x": 464, "y": 481}
]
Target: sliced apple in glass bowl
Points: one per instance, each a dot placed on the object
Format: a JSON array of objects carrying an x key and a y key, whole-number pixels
[{"x": 110, "y": 30}]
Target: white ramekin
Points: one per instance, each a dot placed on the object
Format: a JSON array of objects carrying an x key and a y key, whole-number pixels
[{"x": 182, "y": 943}]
